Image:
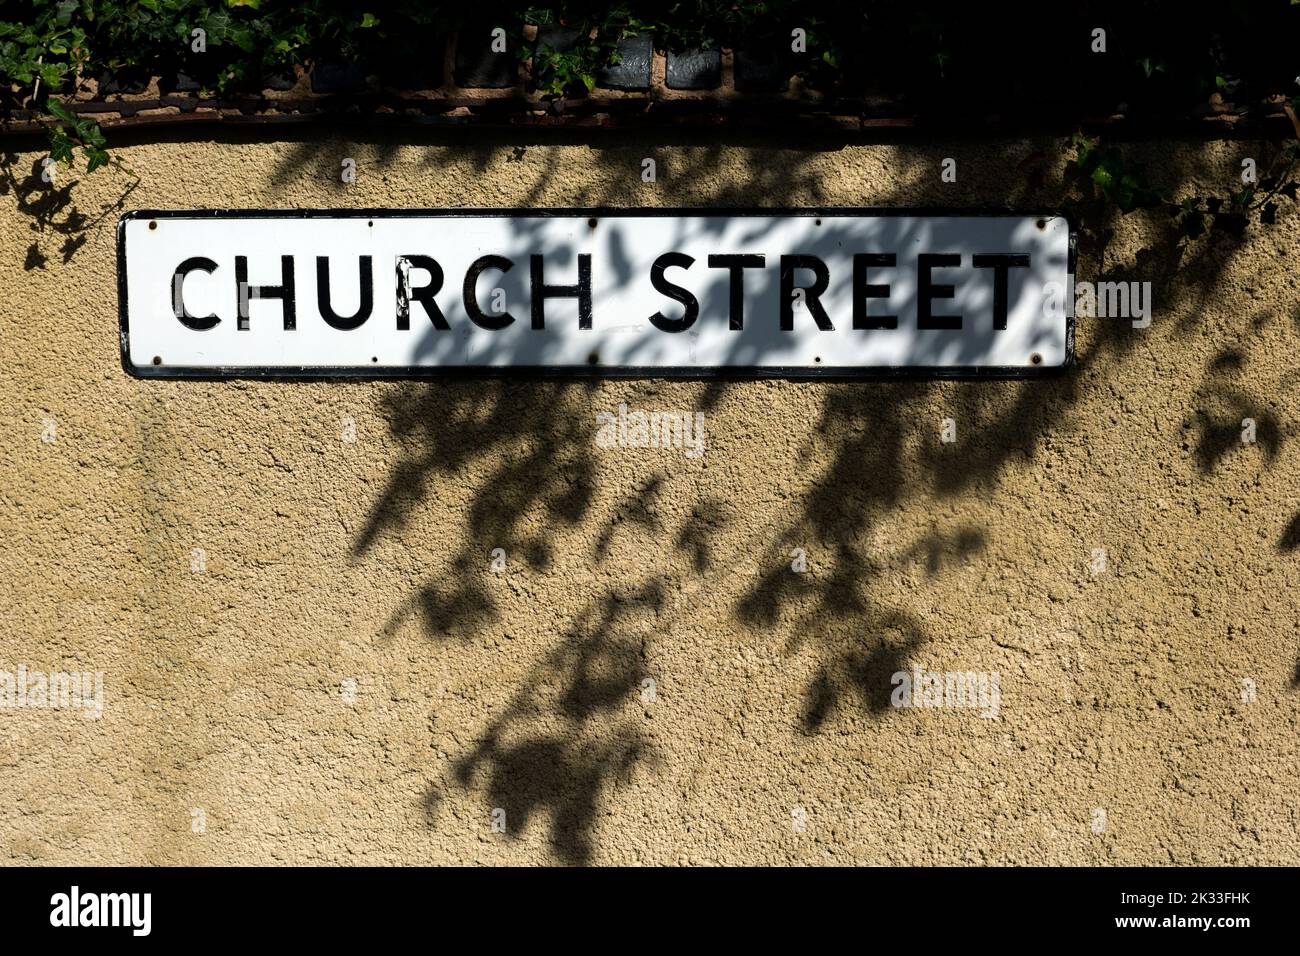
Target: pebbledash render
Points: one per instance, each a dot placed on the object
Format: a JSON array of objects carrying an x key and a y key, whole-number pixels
[{"x": 436, "y": 621}]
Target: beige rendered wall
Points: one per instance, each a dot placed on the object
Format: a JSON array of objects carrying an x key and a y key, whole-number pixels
[{"x": 328, "y": 561}]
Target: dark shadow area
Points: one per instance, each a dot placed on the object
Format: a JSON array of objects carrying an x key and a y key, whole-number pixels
[
  {"x": 1225, "y": 413},
  {"x": 864, "y": 675},
  {"x": 637, "y": 512},
  {"x": 569, "y": 735},
  {"x": 50, "y": 208},
  {"x": 564, "y": 772},
  {"x": 1290, "y": 540},
  {"x": 541, "y": 433},
  {"x": 696, "y": 539},
  {"x": 844, "y": 612}
]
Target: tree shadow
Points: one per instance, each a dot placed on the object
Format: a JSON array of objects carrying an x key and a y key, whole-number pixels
[
  {"x": 52, "y": 209},
  {"x": 568, "y": 735},
  {"x": 1228, "y": 416},
  {"x": 538, "y": 433},
  {"x": 529, "y": 767},
  {"x": 864, "y": 674},
  {"x": 846, "y": 612},
  {"x": 1290, "y": 539}
]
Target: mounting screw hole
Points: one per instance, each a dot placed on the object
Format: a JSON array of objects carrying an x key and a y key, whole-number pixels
[
  {"x": 157, "y": 360},
  {"x": 153, "y": 223},
  {"x": 1035, "y": 359}
]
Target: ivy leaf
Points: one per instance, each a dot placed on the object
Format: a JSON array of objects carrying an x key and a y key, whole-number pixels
[
  {"x": 1146, "y": 65},
  {"x": 217, "y": 25},
  {"x": 61, "y": 111},
  {"x": 91, "y": 133},
  {"x": 1233, "y": 223},
  {"x": 369, "y": 20},
  {"x": 95, "y": 157},
  {"x": 60, "y": 146}
]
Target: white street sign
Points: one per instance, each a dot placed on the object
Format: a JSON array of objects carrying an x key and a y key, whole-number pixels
[{"x": 797, "y": 293}]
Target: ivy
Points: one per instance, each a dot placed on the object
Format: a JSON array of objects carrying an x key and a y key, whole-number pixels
[
  {"x": 80, "y": 131},
  {"x": 599, "y": 36},
  {"x": 1108, "y": 176},
  {"x": 1112, "y": 177},
  {"x": 939, "y": 56}
]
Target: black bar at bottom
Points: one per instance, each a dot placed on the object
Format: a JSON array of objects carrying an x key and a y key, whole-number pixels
[{"x": 338, "y": 907}]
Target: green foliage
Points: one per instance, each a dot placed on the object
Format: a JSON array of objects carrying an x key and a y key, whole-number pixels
[
  {"x": 567, "y": 70},
  {"x": 244, "y": 38},
  {"x": 939, "y": 56},
  {"x": 599, "y": 30},
  {"x": 1107, "y": 176},
  {"x": 80, "y": 131},
  {"x": 46, "y": 48},
  {"x": 1111, "y": 176},
  {"x": 49, "y": 45}
]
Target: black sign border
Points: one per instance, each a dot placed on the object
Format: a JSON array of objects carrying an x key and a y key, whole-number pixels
[{"x": 737, "y": 373}]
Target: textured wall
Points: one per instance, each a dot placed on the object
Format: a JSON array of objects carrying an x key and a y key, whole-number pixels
[{"x": 327, "y": 561}]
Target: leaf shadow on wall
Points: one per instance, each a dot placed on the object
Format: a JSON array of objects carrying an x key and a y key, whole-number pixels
[
  {"x": 51, "y": 208},
  {"x": 570, "y": 732}
]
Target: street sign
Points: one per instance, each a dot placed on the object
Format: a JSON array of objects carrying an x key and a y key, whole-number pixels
[{"x": 401, "y": 293}]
